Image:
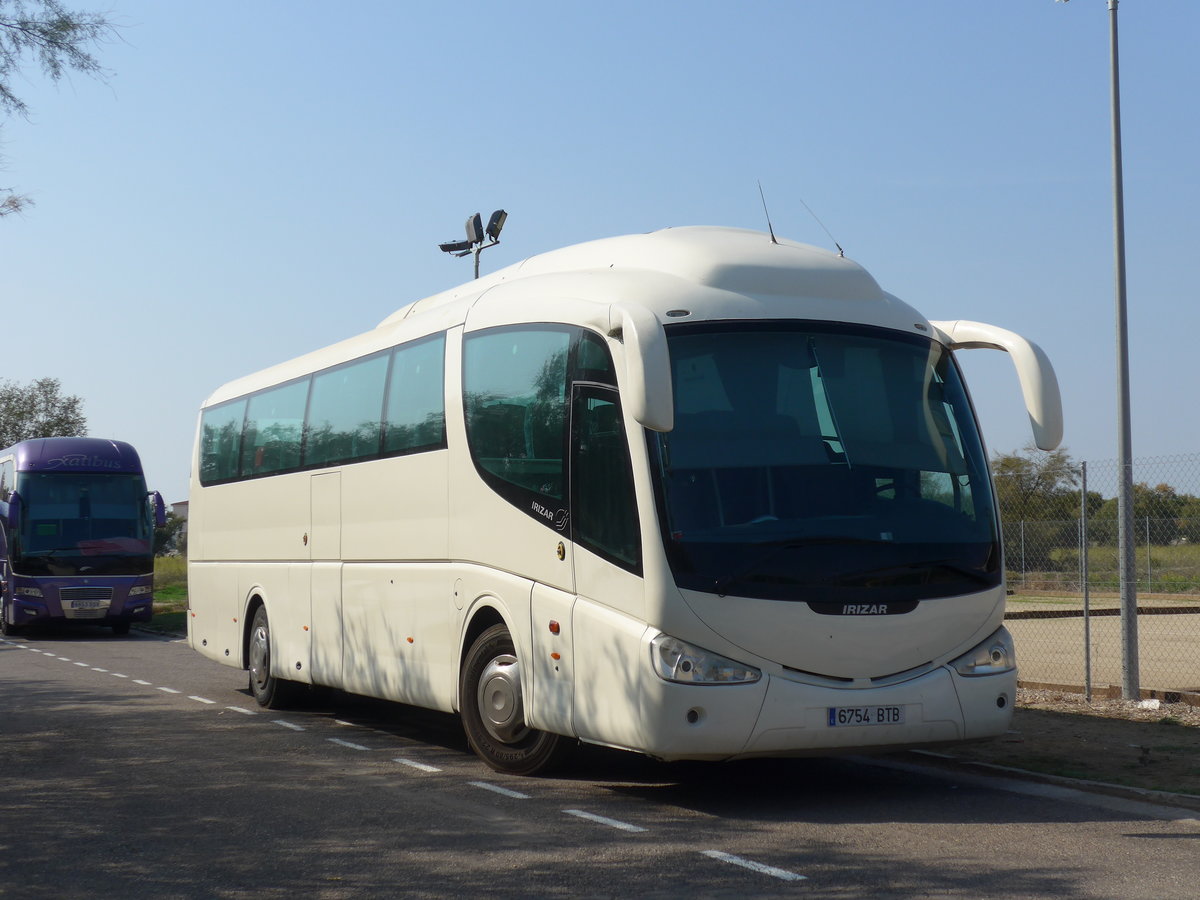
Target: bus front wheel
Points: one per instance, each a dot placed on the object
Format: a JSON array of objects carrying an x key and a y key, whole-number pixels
[
  {"x": 270, "y": 691},
  {"x": 493, "y": 709},
  {"x": 5, "y": 627}
]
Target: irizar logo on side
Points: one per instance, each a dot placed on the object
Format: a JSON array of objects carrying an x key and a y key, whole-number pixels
[{"x": 864, "y": 609}]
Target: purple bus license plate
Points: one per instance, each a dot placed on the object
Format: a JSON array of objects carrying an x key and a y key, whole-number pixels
[{"x": 865, "y": 715}]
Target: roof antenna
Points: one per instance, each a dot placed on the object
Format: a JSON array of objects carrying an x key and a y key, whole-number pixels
[
  {"x": 841, "y": 252},
  {"x": 765, "y": 213}
]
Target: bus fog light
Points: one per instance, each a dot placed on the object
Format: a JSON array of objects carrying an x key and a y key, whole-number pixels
[
  {"x": 675, "y": 660},
  {"x": 992, "y": 657}
]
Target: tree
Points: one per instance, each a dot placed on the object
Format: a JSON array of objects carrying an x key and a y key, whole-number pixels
[
  {"x": 1037, "y": 491},
  {"x": 38, "y": 409},
  {"x": 171, "y": 538},
  {"x": 58, "y": 40}
]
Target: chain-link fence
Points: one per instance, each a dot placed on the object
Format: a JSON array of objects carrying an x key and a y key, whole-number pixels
[{"x": 1061, "y": 554}]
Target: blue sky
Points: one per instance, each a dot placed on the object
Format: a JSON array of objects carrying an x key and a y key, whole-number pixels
[{"x": 260, "y": 178}]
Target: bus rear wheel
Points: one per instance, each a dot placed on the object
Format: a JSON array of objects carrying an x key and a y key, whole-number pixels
[
  {"x": 493, "y": 709},
  {"x": 270, "y": 691}
]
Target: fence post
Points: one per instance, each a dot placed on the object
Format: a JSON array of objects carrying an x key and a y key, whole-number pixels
[
  {"x": 1083, "y": 577},
  {"x": 1022, "y": 554},
  {"x": 1149, "y": 561}
]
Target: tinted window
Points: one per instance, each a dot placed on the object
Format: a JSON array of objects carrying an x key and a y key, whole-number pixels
[
  {"x": 343, "y": 412},
  {"x": 514, "y": 383},
  {"x": 274, "y": 424},
  {"x": 415, "y": 418},
  {"x": 220, "y": 441},
  {"x": 603, "y": 507},
  {"x": 814, "y": 461}
]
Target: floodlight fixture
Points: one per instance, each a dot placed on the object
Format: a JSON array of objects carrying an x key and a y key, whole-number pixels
[
  {"x": 476, "y": 234},
  {"x": 475, "y": 229},
  {"x": 496, "y": 224}
]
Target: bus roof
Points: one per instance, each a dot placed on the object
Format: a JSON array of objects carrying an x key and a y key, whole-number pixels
[
  {"x": 715, "y": 272},
  {"x": 74, "y": 454},
  {"x": 736, "y": 260}
]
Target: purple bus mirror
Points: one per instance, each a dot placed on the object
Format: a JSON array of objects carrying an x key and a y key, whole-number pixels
[
  {"x": 14, "y": 511},
  {"x": 160, "y": 510}
]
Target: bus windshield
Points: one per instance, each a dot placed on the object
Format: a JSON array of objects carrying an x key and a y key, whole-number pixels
[
  {"x": 825, "y": 463},
  {"x": 83, "y": 524}
]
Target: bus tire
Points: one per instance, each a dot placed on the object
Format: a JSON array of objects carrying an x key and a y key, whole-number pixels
[
  {"x": 270, "y": 691},
  {"x": 493, "y": 710},
  {"x": 5, "y": 627}
]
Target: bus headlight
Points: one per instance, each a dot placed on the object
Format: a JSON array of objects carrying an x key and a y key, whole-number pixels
[
  {"x": 27, "y": 592},
  {"x": 675, "y": 660},
  {"x": 140, "y": 589},
  {"x": 993, "y": 656}
]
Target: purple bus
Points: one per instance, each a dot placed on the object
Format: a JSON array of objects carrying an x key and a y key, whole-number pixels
[{"x": 76, "y": 534}]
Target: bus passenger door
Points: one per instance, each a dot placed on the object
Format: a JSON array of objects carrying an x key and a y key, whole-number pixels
[
  {"x": 609, "y": 613},
  {"x": 325, "y": 552}
]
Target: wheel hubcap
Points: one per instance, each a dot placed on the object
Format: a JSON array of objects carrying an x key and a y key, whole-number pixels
[
  {"x": 260, "y": 656},
  {"x": 499, "y": 698}
]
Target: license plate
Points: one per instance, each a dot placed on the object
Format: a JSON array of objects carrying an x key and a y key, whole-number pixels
[
  {"x": 865, "y": 715},
  {"x": 85, "y": 604}
]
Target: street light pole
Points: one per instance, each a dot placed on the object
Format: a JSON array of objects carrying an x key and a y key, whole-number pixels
[{"x": 1127, "y": 547}]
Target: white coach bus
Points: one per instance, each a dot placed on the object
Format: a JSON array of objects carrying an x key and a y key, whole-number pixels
[{"x": 698, "y": 493}]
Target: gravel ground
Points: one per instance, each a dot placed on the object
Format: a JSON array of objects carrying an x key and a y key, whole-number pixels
[{"x": 1135, "y": 711}]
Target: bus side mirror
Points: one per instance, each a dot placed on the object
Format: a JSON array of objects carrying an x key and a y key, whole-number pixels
[
  {"x": 647, "y": 366},
  {"x": 1039, "y": 384},
  {"x": 160, "y": 509},
  {"x": 14, "y": 511}
]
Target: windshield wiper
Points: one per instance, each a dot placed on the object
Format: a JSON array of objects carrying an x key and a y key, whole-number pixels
[
  {"x": 774, "y": 549},
  {"x": 972, "y": 573}
]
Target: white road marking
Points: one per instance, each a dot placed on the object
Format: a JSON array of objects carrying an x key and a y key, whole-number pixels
[
  {"x": 204, "y": 700},
  {"x": 139, "y": 681},
  {"x": 243, "y": 711},
  {"x": 167, "y": 690},
  {"x": 516, "y": 795},
  {"x": 419, "y": 766},
  {"x": 782, "y": 874},
  {"x": 287, "y": 724},
  {"x": 342, "y": 743},
  {"x": 98, "y": 669},
  {"x": 85, "y": 665},
  {"x": 117, "y": 675},
  {"x": 603, "y": 820}
]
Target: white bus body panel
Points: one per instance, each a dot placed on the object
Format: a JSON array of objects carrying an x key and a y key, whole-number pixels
[{"x": 372, "y": 573}]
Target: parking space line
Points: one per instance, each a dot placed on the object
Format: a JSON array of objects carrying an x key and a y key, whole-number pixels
[
  {"x": 342, "y": 743},
  {"x": 782, "y": 874},
  {"x": 413, "y": 764},
  {"x": 495, "y": 788},
  {"x": 604, "y": 820}
]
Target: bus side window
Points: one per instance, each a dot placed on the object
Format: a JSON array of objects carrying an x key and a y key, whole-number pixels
[
  {"x": 343, "y": 412},
  {"x": 415, "y": 418},
  {"x": 603, "y": 506},
  {"x": 221, "y": 441},
  {"x": 514, "y": 384},
  {"x": 274, "y": 424}
]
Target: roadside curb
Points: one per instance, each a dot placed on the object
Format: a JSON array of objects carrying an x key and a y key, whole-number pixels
[{"x": 1182, "y": 802}]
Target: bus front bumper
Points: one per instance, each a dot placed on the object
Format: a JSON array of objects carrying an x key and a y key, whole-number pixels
[{"x": 781, "y": 717}]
